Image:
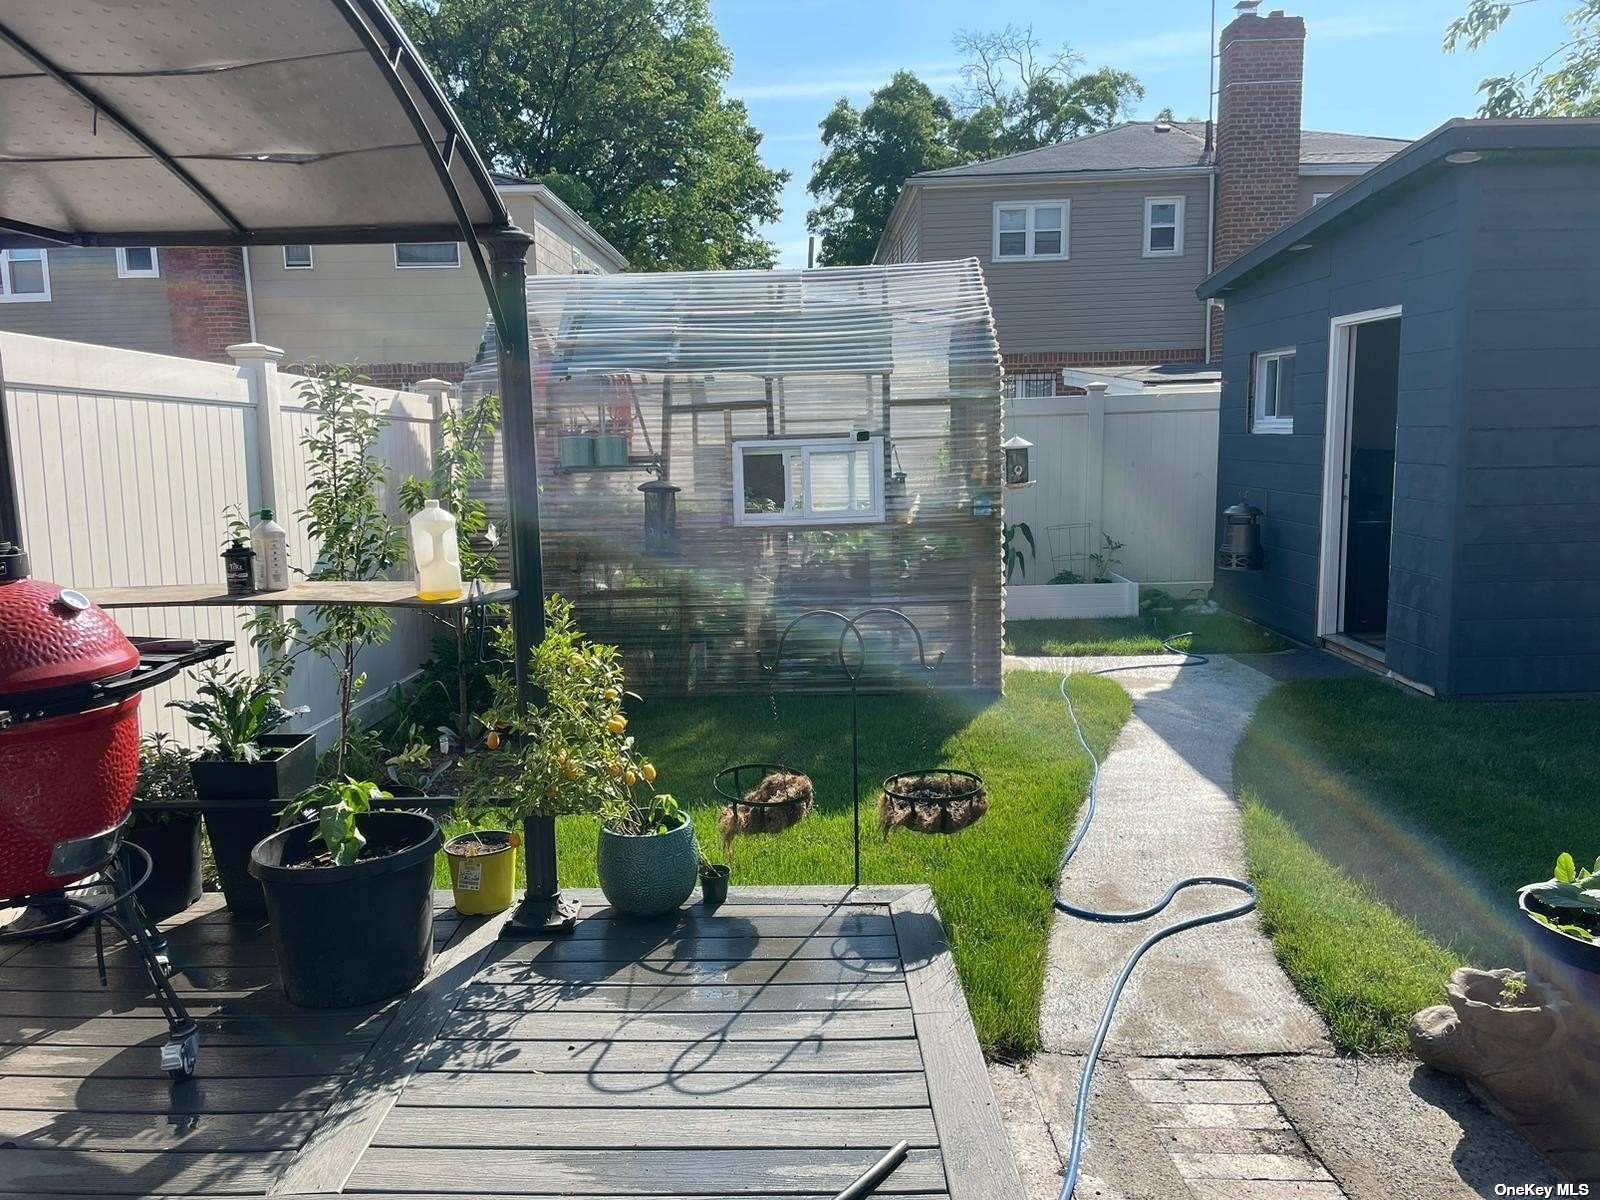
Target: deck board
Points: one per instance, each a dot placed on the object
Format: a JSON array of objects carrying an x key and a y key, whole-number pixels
[{"x": 771, "y": 1048}]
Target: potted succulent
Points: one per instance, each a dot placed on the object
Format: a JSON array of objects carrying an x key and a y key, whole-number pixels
[
  {"x": 349, "y": 893},
  {"x": 246, "y": 771},
  {"x": 1561, "y": 928},
  {"x": 166, "y": 826}
]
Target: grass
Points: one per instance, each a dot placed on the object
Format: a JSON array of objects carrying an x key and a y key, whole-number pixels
[
  {"x": 992, "y": 881},
  {"x": 1389, "y": 834},
  {"x": 1207, "y": 633}
]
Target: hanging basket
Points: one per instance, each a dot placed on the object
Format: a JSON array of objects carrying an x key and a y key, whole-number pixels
[
  {"x": 937, "y": 801},
  {"x": 761, "y": 798}
]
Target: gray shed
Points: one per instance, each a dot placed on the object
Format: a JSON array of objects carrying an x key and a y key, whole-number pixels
[{"x": 1410, "y": 398}]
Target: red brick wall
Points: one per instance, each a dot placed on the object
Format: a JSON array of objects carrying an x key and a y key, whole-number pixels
[
  {"x": 206, "y": 296},
  {"x": 1032, "y": 364},
  {"x": 1260, "y": 68},
  {"x": 398, "y": 375}
]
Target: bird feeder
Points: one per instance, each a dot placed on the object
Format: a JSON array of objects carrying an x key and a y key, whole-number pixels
[
  {"x": 660, "y": 517},
  {"x": 1016, "y": 449}
]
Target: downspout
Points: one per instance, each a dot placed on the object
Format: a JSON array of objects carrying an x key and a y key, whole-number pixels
[
  {"x": 1211, "y": 246},
  {"x": 249, "y": 292}
]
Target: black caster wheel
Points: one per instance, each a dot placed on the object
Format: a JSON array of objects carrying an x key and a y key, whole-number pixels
[{"x": 181, "y": 1055}]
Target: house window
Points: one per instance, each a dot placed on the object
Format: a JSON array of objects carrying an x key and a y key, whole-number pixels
[
  {"x": 1318, "y": 197},
  {"x": 138, "y": 262},
  {"x": 24, "y": 276},
  {"x": 1163, "y": 226},
  {"x": 817, "y": 481},
  {"x": 1029, "y": 385},
  {"x": 298, "y": 258},
  {"x": 1031, "y": 231},
  {"x": 1272, "y": 392},
  {"x": 427, "y": 254}
]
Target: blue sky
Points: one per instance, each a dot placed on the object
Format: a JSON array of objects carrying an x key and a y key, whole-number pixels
[{"x": 1371, "y": 67}]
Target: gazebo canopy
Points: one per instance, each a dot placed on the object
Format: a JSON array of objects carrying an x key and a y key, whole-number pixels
[{"x": 232, "y": 122}]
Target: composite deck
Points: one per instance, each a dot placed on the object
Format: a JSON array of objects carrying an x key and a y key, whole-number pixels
[{"x": 772, "y": 1048}]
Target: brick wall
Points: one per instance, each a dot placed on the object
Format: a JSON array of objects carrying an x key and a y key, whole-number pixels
[
  {"x": 206, "y": 297},
  {"x": 1261, "y": 64},
  {"x": 397, "y": 375},
  {"x": 1055, "y": 362}
]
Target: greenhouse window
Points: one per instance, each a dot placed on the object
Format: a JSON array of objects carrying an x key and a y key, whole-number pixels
[{"x": 808, "y": 481}]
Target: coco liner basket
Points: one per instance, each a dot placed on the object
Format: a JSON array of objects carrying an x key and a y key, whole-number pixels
[
  {"x": 937, "y": 801},
  {"x": 762, "y": 798}
]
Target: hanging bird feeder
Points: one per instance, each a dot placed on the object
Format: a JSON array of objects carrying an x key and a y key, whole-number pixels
[{"x": 1016, "y": 448}]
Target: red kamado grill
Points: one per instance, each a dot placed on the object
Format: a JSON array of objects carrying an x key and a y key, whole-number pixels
[{"x": 69, "y": 758}]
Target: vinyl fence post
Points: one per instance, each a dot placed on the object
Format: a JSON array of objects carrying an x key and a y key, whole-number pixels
[
  {"x": 440, "y": 392},
  {"x": 258, "y": 365},
  {"x": 1095, "y": 464}
]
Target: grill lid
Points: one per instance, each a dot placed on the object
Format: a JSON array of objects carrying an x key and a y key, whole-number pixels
[{"x": 52, "y": 637}]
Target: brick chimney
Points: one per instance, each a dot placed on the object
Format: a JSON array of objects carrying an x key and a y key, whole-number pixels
[
  {"x": 206, "y": 296},
  {"x": 1260, "y": 66}
]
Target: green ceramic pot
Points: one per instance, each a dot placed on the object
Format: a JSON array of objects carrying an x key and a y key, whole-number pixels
[{"x": 648, "y": 874}]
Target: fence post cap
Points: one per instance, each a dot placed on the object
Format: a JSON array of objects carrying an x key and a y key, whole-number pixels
[
  {"x": 433, "y": 385},
  {"x": 1099, "y": 385},
  {"x": 254, "y": 352}
]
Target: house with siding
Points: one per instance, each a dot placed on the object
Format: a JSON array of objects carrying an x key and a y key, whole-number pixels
[
  {"x": 1092, "y": 248},
  {"x": 1409, "y": 403},
  {"x": 403, "y": 312}
]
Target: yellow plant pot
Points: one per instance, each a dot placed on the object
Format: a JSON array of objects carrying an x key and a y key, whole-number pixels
[{"x": 484, "y": 879}]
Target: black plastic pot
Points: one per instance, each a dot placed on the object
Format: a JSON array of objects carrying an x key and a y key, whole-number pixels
[
  {"x": 241, "y": 803},
  {"x": 351, "y": 935},
  {"x": 714, "y": 884},
  {"x": 173, "y": 844},
  {"x": 1570, "y": 963}
]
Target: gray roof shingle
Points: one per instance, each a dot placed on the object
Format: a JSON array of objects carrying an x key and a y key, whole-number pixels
[{"x": 1142, "y": 146}]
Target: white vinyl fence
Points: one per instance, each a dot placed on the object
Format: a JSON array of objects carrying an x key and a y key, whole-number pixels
[
  {"x": 126, "y": 461},
  {"x": 1140, "y": 467}
]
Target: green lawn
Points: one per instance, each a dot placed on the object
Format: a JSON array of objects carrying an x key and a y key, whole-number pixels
[
  {"x": 992, "y": 881},
  {"x": 1212, "y": 633},
  {"x": 1389, "y": 832}
]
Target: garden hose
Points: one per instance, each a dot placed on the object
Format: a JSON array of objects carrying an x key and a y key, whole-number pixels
[{"x": 1080, "y": 1110}]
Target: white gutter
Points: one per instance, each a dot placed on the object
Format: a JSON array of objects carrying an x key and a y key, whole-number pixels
[{"x": 249, "y": 291}]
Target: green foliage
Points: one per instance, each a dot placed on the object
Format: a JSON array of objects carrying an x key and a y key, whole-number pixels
[
  {"x": 1011, "y": 550},
  {"x": 1102, "y": 565},
  {"x": 1570, "y": 902},
  {"x": 643, "y": 811},
  {"x": 335, "y": 806},
  {"x": 1571, "y": 89},
  {"x": 164, "y": 780},
  {"x": 618, "y": 106},
  {"x": 570, "y": 752},
  {"x": 355, "y": 538},
  {"x": 1187, "y": 629},
  {"x": 457, "y": 465},
  {"x": 234, "y": 709},
  {"x": 1015, "y": 97}
]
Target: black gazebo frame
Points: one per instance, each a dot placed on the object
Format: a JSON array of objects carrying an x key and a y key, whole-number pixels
[{"x": 502, "y": 273}]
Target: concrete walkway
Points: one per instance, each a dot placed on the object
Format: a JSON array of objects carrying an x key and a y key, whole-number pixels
[{"x": 1219, "y": 1082}]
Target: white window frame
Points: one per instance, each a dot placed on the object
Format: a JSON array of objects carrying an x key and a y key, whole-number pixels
[
  {"x": 311, "y": 259},
  {"x": 126, "y": 272},
  {"x": 803, "y": 449},
  {"x": 439, "y": 266},
  {"x": 1318, "y": 197},
  {"x": 1260, "y": 422},
  {"x": 1150, "y": 203},
  {"x": 8, "y": 296},
  {"x": 1031, "y": 207}
]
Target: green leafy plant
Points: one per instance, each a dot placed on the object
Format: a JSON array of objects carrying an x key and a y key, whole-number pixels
[
  {"x": 235, "y": 526},
  {"x": 1061, "y": 577},
  {"x": 416, "y": 768},
  {"x": 334, "y": 806},
  {"x": 1569, "y": 902},
  {"x": 355, "y": 538},
  {"x": 1011, "y": 549},
  {"x": 1105, "y": 563},
  {"x": 164, "y": 781},
  {"x": 235, "y": 709}
]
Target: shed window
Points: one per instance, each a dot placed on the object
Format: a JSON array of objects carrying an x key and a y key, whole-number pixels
[
  {"x": 138, "y": 262},
  {"x": 821, "y": 481},
  {"x": 298, "y": 258},
  {"x": 1272, "y": 392},
  {"x": 427, "y": 254},
  {"x": 1029, "y": 385},
  {"x": 24, "y": 276},
  {"x": 1027, "y": 231},
  {"x": 1163, "y": 226}
]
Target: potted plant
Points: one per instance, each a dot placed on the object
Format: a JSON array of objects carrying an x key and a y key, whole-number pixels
[
  {"x": 714, "y": 879},
  {"x": 245, "y": 771},
  {"x": 483, "y": 870},
  {"x": 1561, "y": 928},
  {"x": 648, "y": 858},
  {"x": 349, "y": 893},
  {"x": 166, "y": 826}
]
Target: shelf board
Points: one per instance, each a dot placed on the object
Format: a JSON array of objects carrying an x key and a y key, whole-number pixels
[{"x": 377, "y": 593}]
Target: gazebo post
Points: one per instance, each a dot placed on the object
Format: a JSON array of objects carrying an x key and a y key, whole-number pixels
[{"x": 543, "y": 909}]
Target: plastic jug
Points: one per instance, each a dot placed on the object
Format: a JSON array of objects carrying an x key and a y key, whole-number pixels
[
  {"x": 270, "y": 541},
  {"x": 438, "y": 554}
]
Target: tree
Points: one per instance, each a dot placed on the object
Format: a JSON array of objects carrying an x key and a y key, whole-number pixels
[
  {"x": 1014, "y": 97},
  {"x": 1571, "y": 89},
  {"x": 617, "y": 106}
]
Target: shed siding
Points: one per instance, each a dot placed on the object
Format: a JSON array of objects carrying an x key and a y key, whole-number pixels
[
  {"x": 1105, "y": 296},
  {"x": 88, "y": 303},
  {"x": 1410, "y": 254},
  {"x": 1527, "y": 582}
]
